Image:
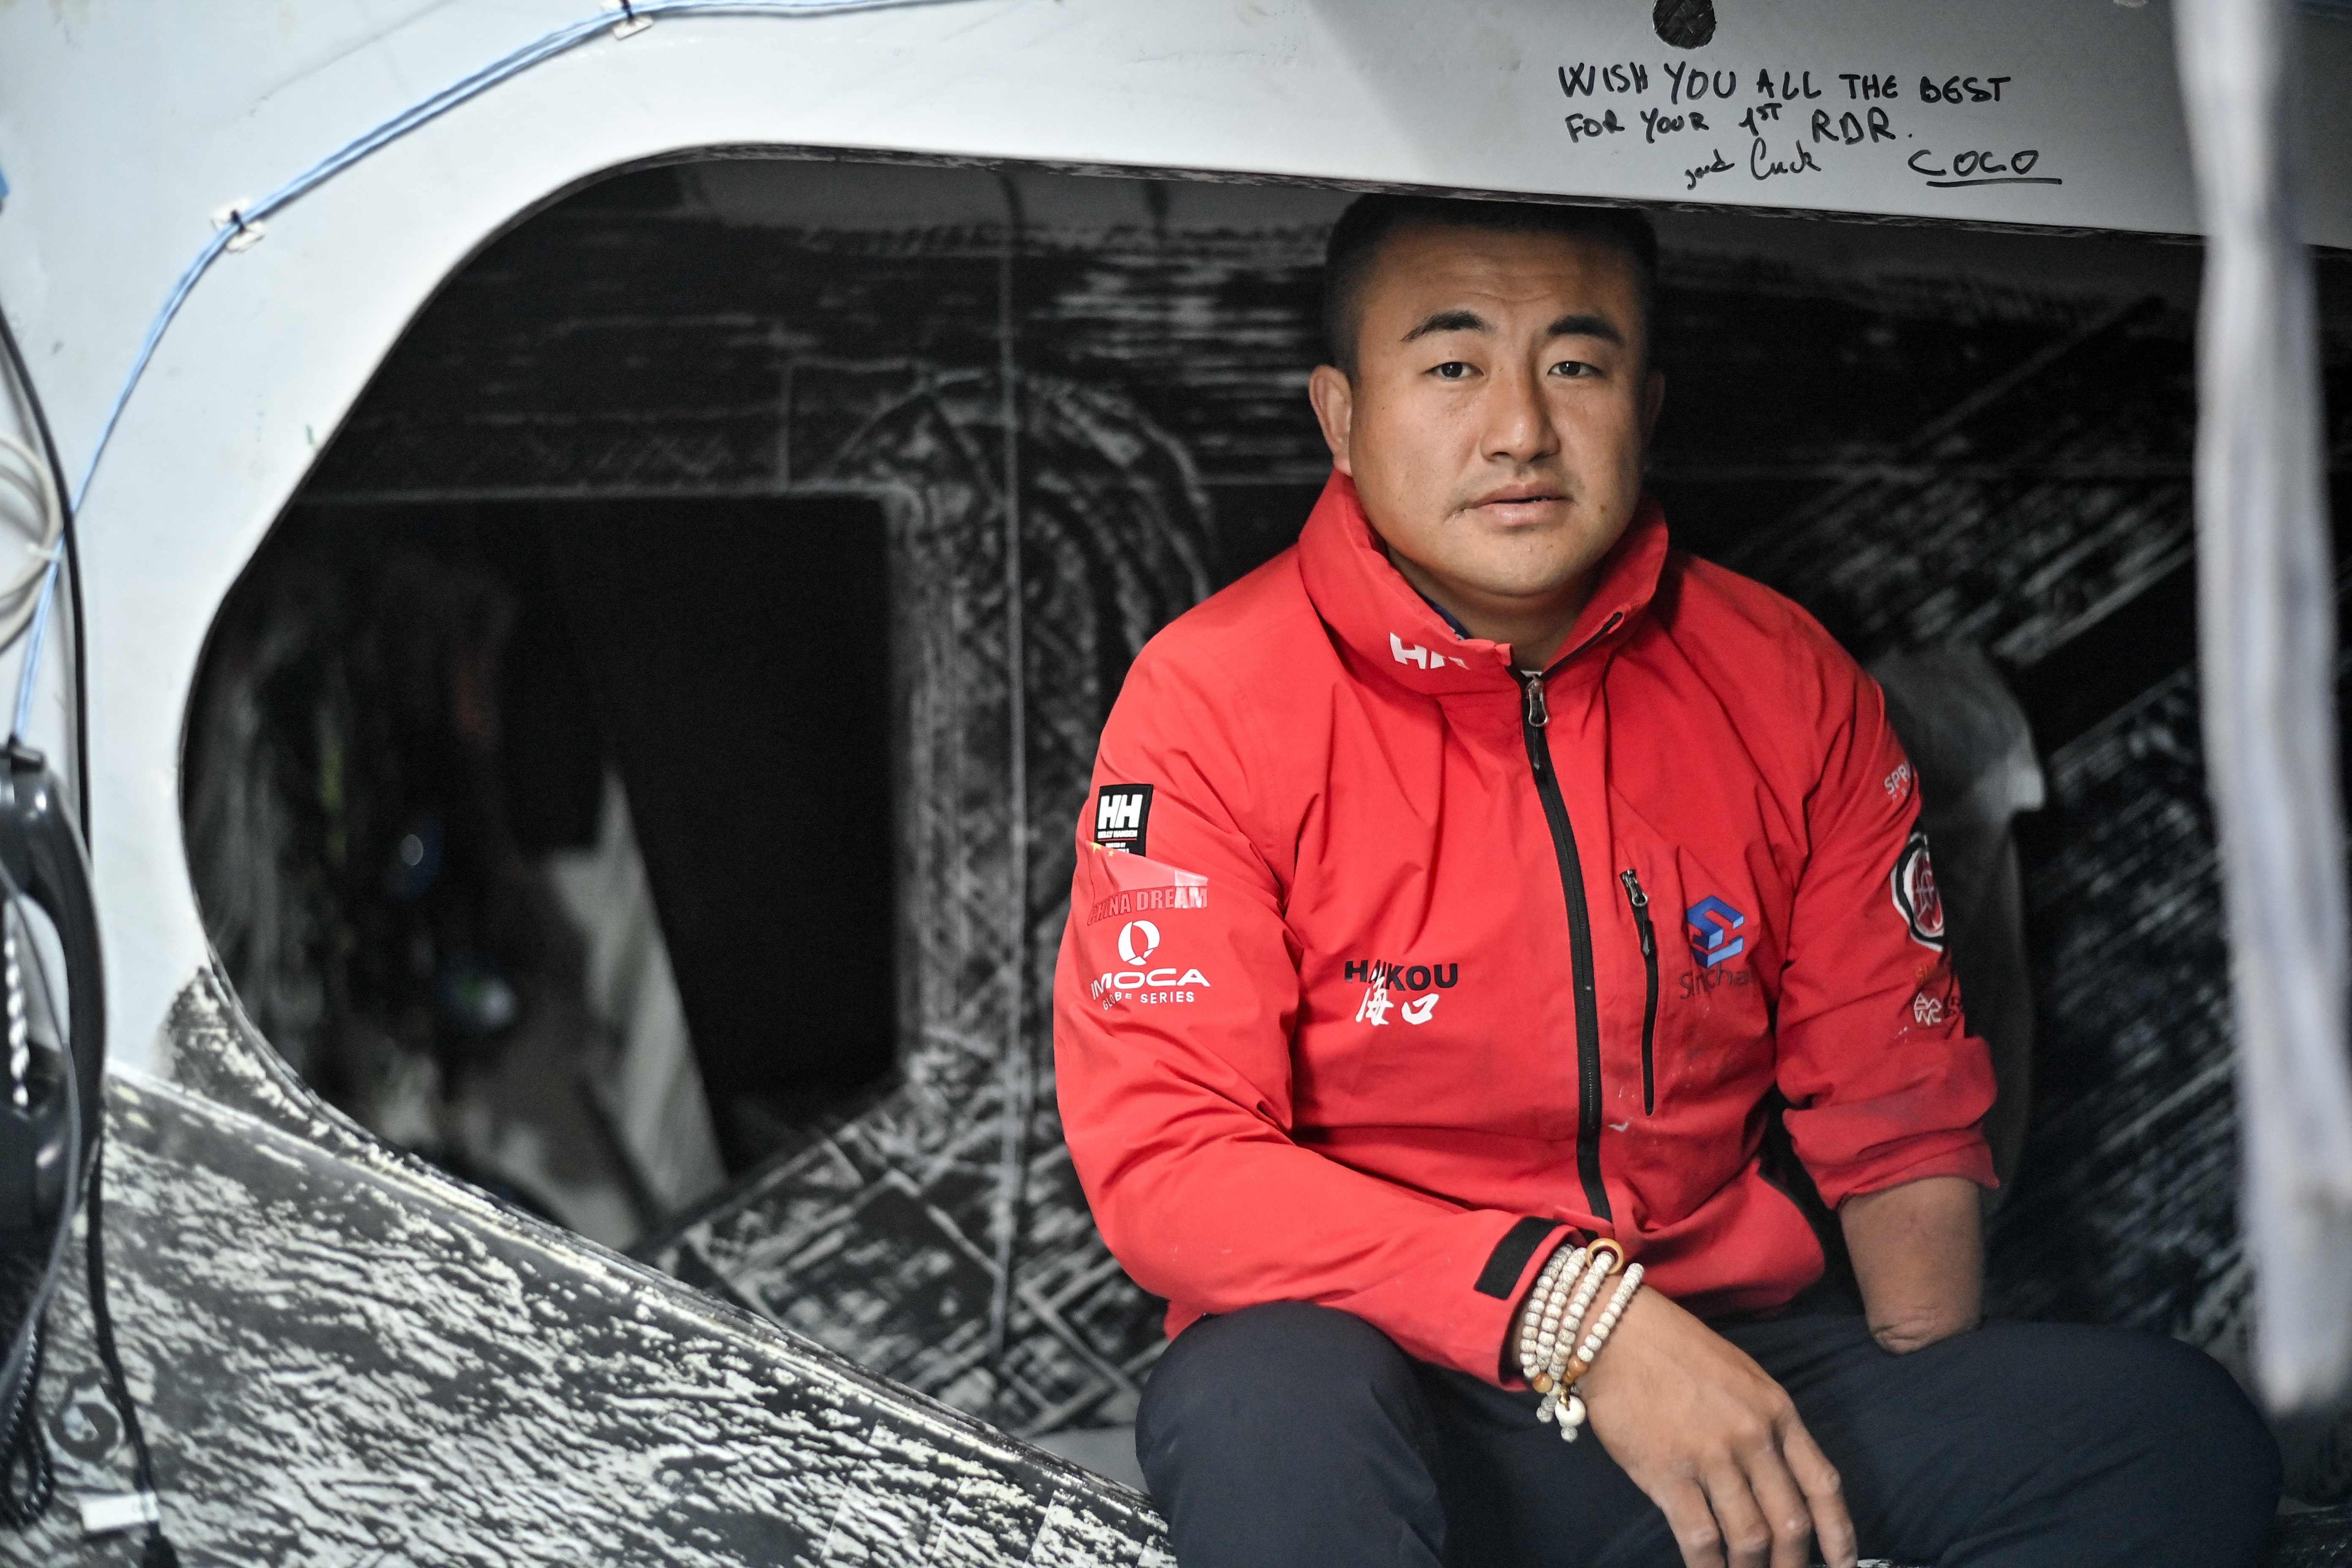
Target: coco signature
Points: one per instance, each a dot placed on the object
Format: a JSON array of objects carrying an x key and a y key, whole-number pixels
[{"x": 1980, "y": 168}]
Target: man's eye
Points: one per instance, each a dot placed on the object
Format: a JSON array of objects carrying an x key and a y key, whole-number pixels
[
  {"x": 1574, "y": 368},
  {"x": 1451, "y": 370}
]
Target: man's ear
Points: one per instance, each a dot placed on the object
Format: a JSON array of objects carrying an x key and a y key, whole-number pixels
[
  {"x": 1334, "y": 397},
  {"x": 1654, "y": 398}
]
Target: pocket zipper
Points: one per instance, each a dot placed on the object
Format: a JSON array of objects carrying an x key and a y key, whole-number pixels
[{"x": 1641, "y": 902}]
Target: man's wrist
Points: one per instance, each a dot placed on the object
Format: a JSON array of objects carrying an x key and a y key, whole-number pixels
[{"x": 1566, "y": 1320}]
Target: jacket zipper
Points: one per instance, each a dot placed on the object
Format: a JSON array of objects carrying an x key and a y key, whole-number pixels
[
  {"x": 1580, "y": 948},
  {"x": 1641, "y": 902}
]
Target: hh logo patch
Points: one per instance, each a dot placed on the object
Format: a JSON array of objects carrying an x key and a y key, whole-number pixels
[
  {"x": 1711, "y": 924},
  {"x": 1122, "y": 812},
  {"x": 1913, "y": 885}
]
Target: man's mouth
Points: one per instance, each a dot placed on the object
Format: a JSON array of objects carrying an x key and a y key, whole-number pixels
[{"x": 1518, "y": 498}]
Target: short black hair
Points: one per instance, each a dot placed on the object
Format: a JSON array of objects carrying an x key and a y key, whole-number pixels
[{"x": 1370, "y": 221}]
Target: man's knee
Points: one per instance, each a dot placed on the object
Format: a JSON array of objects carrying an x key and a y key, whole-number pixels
[
  {"x": 1287, "y": 1434},
  {"x": 1266, "y": 1371},
  {"x": 2202, "y": 1430},
  {"x": 2162, "y": 1429}
]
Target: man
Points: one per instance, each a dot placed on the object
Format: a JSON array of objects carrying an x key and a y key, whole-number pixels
[{"x": 1462, "y": 886}]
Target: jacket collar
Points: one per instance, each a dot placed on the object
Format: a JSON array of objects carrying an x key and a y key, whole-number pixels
[{"x": 1376, "y": 613}]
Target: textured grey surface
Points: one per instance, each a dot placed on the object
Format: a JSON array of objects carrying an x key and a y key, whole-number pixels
[
  {"x": 2321, "y": 1539},
  {"x": 345, "y": 1359}
]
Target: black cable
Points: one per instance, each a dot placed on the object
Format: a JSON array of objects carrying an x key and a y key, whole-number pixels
[
  {"x": 25, "y": 1425},
  {"x": 22, "y": 1356},
  {"x": 159, "y": 1553},
  {"x": 24, "y": 374},
  {"x": 91, "y": 1124},
  {"x": 22, "y": 1446},
  {"x": 80, "y": 668},
  {"x": 25, "y": 1451}
]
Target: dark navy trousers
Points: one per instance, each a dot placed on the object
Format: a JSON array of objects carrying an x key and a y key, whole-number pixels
[{"x": 1291, "y": 1437}]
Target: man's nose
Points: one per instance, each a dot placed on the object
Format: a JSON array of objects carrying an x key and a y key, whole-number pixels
[{"x": 1518, "y": 421}]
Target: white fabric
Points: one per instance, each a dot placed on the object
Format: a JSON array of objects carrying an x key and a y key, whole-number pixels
[
  {"x": 2267, "y": 646},
  {"x": 652, "y": 1090}
]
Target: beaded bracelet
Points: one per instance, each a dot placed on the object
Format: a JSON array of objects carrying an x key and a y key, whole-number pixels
[
  {"x": 1553, "y": 1315},
  {"x": 1564, "y": 1367},
  {"x": 1547, "y": 1382},
  {"x": 1547, "y": 1320},
  {"x": 1570, "y": 1407},
  {"x": 1572, "y": 1319},
  {"x": 1540, "y": 1318}
]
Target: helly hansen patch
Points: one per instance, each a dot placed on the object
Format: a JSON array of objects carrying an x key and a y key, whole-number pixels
[
  {"x": 1122, "y": 813},
  {"x": 1509, "y": 1258}
]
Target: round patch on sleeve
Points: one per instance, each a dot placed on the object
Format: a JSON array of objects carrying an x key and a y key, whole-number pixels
[{"x": 1913, "y": 885}]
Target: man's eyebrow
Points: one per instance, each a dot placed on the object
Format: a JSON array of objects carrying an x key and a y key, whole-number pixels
[
  {"x": 1587, "y": 327},
  {"x": 1450, "y": 322}
]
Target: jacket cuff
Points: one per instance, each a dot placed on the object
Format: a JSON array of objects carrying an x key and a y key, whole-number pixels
[
  {"x": 1961, "y": 1152},
  {"x": 1510, "y": 1273}
]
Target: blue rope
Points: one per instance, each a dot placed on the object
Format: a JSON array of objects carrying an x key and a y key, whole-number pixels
[
  {"x": 36, "y": 635},
  {"x": 561, "y": 41}
]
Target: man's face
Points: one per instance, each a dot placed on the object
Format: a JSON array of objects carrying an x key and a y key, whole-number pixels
[{"x": 1496, "y": 421}]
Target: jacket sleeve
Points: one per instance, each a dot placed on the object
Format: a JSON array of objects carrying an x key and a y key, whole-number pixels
[
  {"x": 1174, "y": 1001},
  {"x": 1884, "y": 1083}
]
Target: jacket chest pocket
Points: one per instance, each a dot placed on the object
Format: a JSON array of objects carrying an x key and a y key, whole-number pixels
[{"x": 1705, "y": 1014}]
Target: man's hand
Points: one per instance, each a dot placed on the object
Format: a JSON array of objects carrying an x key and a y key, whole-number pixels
[
  {"x": 1919, "y": 1256},
  {"x": 1714, "y": 1443}
]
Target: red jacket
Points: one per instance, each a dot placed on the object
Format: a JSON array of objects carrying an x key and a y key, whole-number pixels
[{"x": 1381, "y": 970}]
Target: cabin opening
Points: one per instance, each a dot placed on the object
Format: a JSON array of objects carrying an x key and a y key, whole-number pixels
[{"x": 576, "y": 866}]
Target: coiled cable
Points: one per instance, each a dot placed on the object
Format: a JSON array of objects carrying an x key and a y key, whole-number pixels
[
  {"x": 30, "y": 510},
  {"x": 29, "y": 396}
]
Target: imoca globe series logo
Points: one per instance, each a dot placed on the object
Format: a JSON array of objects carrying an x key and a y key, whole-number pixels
[{"x": 1138, "y": 940}]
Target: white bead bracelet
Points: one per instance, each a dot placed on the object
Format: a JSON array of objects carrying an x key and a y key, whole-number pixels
[
  {"x": 1550, "y": 1383},
  {"x": 1571, "y": 1416},
  {"x": 1540, "y": 1317}
]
